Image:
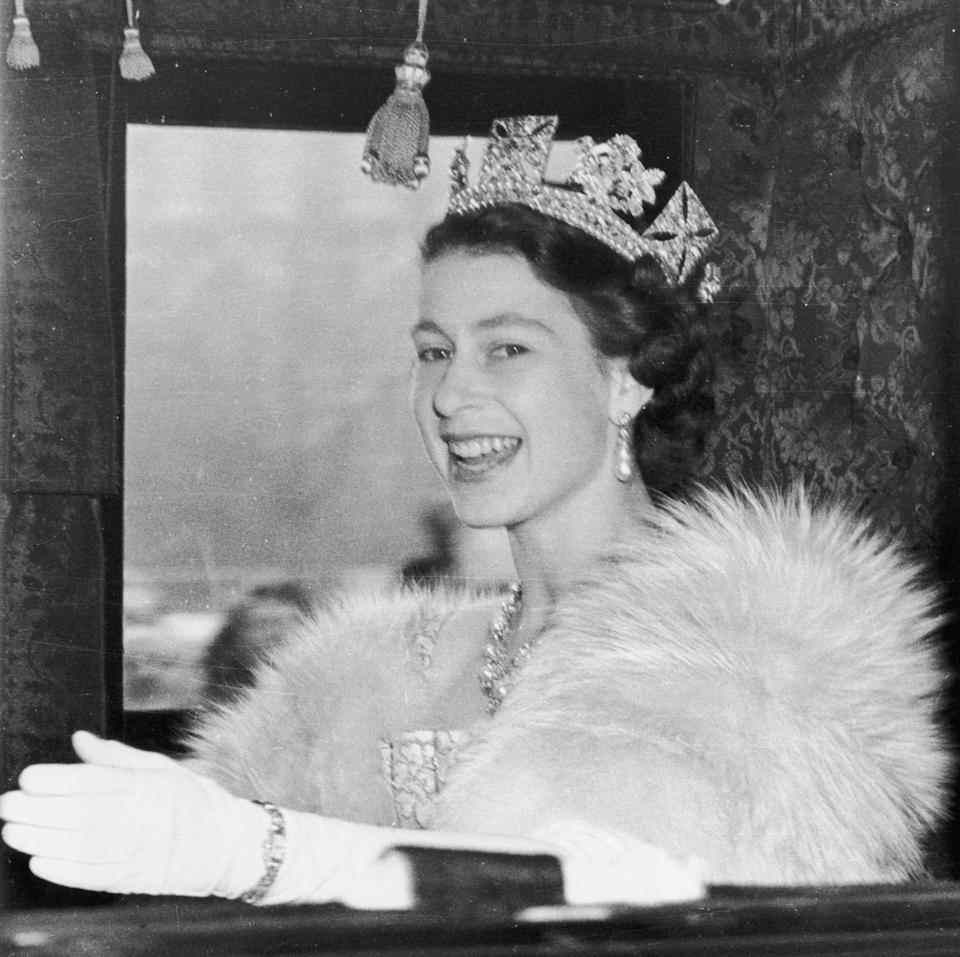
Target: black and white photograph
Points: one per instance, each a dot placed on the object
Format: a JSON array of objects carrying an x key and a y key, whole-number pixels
[{"x": 479, "y": 477}]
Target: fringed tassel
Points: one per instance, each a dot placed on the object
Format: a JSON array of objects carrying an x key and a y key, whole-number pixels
[
  {"x": 398, "y": 137},
  {"x": 22, "y": 53},
  {"x": 134, "y": 62}
]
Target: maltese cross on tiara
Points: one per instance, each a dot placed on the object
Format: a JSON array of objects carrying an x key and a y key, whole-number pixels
[{"x": 607, "y": 179}]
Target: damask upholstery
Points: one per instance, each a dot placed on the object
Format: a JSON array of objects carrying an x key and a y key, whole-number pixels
[{"x": 827, "y": 188}]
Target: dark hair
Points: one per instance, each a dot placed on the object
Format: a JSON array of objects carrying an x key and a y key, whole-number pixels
[{"x": 629, "y": 310}]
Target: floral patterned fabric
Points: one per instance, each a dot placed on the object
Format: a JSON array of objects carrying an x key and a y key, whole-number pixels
[{"x": 826, "y": 189}]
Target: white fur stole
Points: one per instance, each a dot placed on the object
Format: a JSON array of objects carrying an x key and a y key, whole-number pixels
[
  {"x": 748, "y": 679},
  {"x": 751, "y": 681}
]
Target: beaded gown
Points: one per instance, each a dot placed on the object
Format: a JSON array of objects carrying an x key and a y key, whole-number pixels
[
  {"x": 415, "y": 766},
  {"x": 416, "y": 763}
]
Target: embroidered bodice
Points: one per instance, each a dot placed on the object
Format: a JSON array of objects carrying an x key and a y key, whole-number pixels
[{"x": 415, "y": 766}]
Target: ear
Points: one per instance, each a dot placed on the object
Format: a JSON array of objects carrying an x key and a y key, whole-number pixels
[{"x": 626, "y": 394}]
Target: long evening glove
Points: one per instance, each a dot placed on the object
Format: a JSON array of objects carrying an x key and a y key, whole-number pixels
[{"x": 131, "y": 821}]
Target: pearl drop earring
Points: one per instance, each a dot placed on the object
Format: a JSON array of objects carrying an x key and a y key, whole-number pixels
[{"x": 624, "y": 465}]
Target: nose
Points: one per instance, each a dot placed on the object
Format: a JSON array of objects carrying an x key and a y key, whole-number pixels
[{"x": 458, "y": 388}]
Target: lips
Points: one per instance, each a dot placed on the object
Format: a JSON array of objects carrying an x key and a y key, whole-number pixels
[{"x": 475, "y": 457}]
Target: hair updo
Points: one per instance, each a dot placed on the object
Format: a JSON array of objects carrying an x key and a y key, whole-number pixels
[{"x": 629, "y": 312}]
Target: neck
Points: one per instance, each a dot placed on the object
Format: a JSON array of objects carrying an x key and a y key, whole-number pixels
[{"x": 551, "y": 552}]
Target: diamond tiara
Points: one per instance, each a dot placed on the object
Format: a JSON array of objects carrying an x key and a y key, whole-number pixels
[{"x": 607, "y": 179}]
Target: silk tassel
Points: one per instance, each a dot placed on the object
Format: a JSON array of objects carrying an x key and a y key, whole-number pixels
[
  {"x": 22, "y": 53},
  {"x": 134, "y": 62},
  {"x": 398, "y": 137}
]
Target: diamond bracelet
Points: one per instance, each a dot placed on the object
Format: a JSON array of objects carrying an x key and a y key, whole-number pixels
[{"x": 274, "y": 848}]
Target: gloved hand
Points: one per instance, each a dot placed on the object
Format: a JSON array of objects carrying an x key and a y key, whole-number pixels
[{"x": 132, "y": 821}]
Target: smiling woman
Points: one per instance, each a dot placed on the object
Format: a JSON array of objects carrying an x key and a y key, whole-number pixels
[{"x": 734, "y": 687}]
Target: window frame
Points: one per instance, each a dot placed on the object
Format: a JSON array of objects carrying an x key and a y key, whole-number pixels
[{"x": 657, "y": 111}]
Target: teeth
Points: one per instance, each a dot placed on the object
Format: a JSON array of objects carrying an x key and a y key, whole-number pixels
[{"x": 482, "y": 445}]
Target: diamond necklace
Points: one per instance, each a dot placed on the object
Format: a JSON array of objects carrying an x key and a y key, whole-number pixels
[{"x": 498, "y": 673}]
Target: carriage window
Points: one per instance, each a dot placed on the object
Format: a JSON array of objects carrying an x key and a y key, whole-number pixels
[{"x": 270, "y": 456}]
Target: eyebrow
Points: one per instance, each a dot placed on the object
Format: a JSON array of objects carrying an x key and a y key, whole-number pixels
[{"x": 490, "y": 322}]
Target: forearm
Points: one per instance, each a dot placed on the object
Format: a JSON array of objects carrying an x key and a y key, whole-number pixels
[
  {"x": 333, "y": 860},
  {"x": 327, "y": 859}
]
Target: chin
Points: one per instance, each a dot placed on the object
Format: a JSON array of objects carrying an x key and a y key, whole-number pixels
[
  {"x": 484, "y": 511},
  {"x": 483, "y": 518}
]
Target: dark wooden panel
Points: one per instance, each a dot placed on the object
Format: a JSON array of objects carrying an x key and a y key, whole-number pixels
[
  {"x": 52, "y": 654},
  {"x": 59, "y": 427}
]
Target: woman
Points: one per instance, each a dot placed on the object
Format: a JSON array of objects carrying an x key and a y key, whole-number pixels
[{"x": 732, "y": 689}]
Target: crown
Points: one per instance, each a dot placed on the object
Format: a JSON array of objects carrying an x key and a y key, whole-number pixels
[{"x": 608, "y": 179}]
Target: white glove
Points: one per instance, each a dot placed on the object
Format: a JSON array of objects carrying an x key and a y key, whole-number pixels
[
  {"x": 130, "y": 821},
  {"x": 137, "y": 822}
]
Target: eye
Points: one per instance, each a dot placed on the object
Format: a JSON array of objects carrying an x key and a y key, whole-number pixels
[
  {"x": 433, "y": 354},
  {"x": 509, "y": 350}
]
